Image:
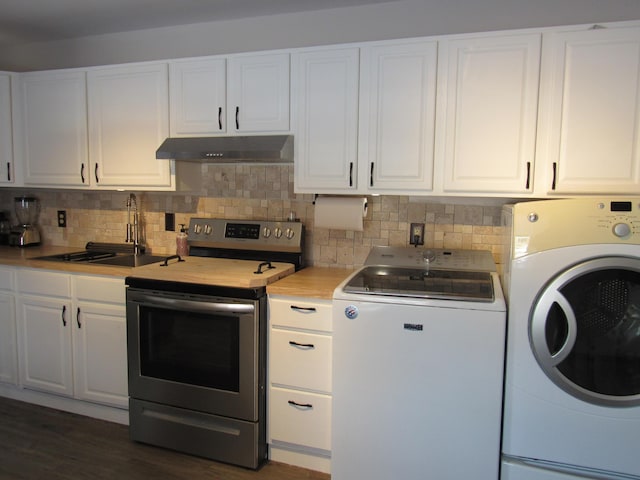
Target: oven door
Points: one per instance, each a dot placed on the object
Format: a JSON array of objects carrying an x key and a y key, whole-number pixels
[{"x": 196, "y": 352}]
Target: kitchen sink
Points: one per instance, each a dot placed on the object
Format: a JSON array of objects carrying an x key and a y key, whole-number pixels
[{"x": 129, "y": 260}]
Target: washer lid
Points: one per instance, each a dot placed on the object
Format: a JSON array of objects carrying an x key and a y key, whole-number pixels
[{"x": 422, "y": 283}]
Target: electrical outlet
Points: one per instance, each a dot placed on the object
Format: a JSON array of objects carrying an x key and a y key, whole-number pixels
[
  {"x": 416, "y": 235},
  {"x": 62, "y": 218},
  {"x": 170, "y": 222}
]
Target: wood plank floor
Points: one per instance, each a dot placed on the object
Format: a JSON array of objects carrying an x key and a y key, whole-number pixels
[{"x": 43, "y": 443}]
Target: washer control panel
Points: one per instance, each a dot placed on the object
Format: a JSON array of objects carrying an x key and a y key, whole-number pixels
[{"x": 546, "y": 224}]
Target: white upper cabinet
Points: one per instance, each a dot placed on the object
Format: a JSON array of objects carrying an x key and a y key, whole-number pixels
[
  {"x": 397, "y": 117},
  {"x": 7, "y": 168},
  {"x": 487, "y": 112},
  {"x": 128, "y": 120},
  {"x": 54, "y": 128},
  {"x": 325, "y": 92},
  {"x": 258, "y": 90},
  {"x": 198, "y": 97},
  {"x": 229, "y": 95},
  {"x": 589, "y": 134}
]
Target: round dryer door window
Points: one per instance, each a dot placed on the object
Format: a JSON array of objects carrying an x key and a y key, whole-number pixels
[{"x": 585, "y": 331}]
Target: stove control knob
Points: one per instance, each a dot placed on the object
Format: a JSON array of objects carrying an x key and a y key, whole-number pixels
[
  {"x": 207, "y": 229},
  {"x": 289, "y": 233},
  {"x": 621, "y": 230},
  {"x": 266, "y": 232},
  {"x": 277, "y": 232},
  {"x": 197, "y": 228}
]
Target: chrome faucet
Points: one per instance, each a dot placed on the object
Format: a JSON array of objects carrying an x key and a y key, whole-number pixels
[{"x": 133, "y": 228}]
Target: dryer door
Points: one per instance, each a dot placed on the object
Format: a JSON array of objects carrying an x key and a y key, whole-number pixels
[{"x": 585, "y": 330}]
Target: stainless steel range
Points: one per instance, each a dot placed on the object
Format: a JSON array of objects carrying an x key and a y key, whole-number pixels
[{"x": 196, "y": 333}]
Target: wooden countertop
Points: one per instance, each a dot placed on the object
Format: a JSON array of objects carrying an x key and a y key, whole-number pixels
[
  {"x": 311, "y": 282},
  {"x": 26, "y": 257},
  {"x": 222, "y": 272}
]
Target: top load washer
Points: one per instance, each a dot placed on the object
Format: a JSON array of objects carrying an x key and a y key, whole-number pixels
[
  {"x": 572, "y": 389},
  {"x": 418, "y": 354}
]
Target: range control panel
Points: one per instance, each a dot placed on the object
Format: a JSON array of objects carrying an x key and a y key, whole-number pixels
[{"x": 246, "y": 234}]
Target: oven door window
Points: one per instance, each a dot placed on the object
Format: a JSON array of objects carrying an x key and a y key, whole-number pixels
[{"x": 191, "y": 348}]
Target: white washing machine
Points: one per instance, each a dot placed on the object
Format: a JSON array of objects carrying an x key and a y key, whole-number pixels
[
  {"x": 418, "y": 356},
  {"x": 572, "y": 383}
]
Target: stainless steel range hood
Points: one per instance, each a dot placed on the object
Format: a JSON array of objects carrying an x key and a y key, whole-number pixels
[{"x": 237, "y": 149}]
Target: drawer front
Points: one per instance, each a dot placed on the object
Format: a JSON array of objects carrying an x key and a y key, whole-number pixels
[
  {"x": 6, "y": 279},
  {"x": 301, "y": 360},
  {"x": 300, "y": 313},
  {"x": 100, "y": 289},
  {"x": 39, "y": 282},
  {"x": 306, "y": 421}
]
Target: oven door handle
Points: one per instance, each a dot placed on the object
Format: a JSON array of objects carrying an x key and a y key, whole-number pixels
[{"x": 192, "y": 306}]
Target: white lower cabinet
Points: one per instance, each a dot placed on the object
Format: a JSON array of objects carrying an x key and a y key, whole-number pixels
[
  {"x": 72, "y": 335},
  {"x": 299, "y": 371},
  {"x": 8, "y": 355}
]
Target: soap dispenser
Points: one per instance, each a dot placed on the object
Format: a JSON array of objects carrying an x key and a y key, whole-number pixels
[{"x": 182, "y": 248}]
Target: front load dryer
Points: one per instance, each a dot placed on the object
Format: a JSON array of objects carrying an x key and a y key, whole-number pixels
[{"x": 572, "y": 385}]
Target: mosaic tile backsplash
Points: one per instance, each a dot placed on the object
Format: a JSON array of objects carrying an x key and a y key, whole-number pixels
[{"x": 263, "y": 192}]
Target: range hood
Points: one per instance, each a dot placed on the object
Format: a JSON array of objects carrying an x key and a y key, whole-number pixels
[{"x": 236, "y": 149}]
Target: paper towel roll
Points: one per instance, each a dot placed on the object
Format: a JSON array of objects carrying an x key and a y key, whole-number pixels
[{"x": 341, "y": 213}]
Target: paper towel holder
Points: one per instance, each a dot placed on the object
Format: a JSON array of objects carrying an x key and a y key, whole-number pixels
[{"x": 316, "y": 195}]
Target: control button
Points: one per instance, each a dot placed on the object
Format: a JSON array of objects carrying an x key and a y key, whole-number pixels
[
  {"x": 266, "y": 232},
  {"x": 533, "y": 217},
  {"x": 207, "y": 229},
  {"x": 621, "y": 230},
  {"x": 197, "y": 228},
  {"x": 289, "y": 233},
  {"x": 277, "y": 232}
]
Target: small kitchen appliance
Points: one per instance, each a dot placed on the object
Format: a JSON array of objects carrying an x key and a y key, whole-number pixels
[
  {"x": 196, "y": 339},
  {"x": 25, "y": 233}
]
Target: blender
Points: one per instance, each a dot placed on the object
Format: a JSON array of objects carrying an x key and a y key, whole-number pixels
[{"x": 26, "y": 233}]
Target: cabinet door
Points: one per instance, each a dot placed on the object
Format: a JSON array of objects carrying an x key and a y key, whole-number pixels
[
  {"x": 198, "y": 97},
  {"x": 128, "y": 120},
  {"x": 8, "y": 352},
  {"x": 7, "y": 169},
  {"x": 44, "y": 330},
  {"x": 54, "y": 128},
  {"x": 100, "y": 353},
  {"x": 488, "y": 105},
  {"x": 398, "y": 91},
  {"x": 590, "y": 111},
  {"x": 258, "y": 92},
  {"x": 325, "y": 93}
]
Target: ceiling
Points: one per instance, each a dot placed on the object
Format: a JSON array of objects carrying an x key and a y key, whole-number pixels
[{"x": 26, "y": 21}]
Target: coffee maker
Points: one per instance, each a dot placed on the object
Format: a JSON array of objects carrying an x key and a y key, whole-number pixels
[{"x": 26, "y": 233}]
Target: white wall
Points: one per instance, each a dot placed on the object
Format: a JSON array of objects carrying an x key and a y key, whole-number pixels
[{"x": 407, "y": 18}]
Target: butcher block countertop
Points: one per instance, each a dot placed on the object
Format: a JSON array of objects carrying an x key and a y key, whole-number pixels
[
  {"x": 311, "y": 282},
  {"x": 222, "y": 272},
  {"x": 26, "y": 257}
]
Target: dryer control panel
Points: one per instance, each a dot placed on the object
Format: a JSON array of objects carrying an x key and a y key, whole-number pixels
[{"x": 548, "y": 224}]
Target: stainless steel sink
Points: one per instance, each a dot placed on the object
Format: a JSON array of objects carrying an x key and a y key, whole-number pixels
[{"x": 129, "y": 260}]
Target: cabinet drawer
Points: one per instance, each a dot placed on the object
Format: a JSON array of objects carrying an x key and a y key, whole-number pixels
[
  {"x": 6, "y": 279},
  {"x": 308, "y": 423},
  {"x": 100, "y": 289},
  {"x": 302, "y": 360},
  {"x": 40, "y": 282},
  {"x": 300, "y": 313}
]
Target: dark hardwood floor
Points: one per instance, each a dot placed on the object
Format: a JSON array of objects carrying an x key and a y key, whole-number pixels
[{"x": 46, "y": 444}]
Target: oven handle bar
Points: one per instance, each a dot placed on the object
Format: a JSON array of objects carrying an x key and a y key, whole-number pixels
[{"x": 193, "y": 306}]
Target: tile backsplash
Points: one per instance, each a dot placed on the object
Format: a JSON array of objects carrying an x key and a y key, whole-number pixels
[{"x": 265, "y": 192}]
